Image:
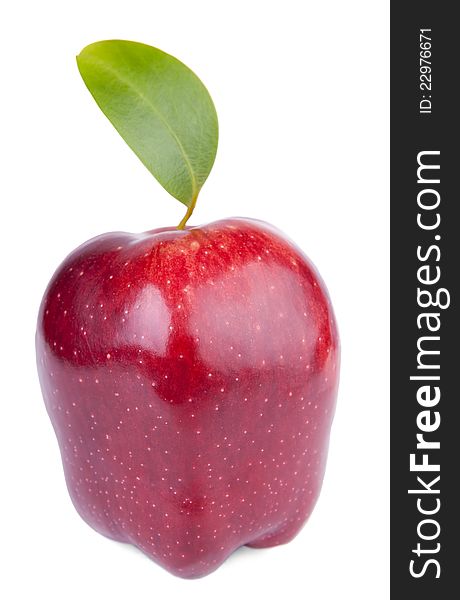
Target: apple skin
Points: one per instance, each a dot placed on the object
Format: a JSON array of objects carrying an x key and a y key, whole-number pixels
[{"x": 191, "y": 379}]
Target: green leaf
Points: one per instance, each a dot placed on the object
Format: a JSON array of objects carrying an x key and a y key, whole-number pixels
[{"x": 159, "y": 107}]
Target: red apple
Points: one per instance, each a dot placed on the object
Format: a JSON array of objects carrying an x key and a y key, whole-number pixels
[{"x": 191, "y": 378}]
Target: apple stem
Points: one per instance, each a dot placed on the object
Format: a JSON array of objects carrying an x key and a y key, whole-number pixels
[{"x": 189, "y": 212}]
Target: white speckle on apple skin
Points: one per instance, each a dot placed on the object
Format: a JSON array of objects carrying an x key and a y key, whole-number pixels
[{"x": 190, "y": 368}]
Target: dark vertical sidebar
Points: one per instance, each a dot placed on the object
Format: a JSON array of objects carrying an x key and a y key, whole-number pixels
[{"x": 425, "y": 257}]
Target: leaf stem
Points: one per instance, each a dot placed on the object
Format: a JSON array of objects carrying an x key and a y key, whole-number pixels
[{"x": 189, "y": 212}]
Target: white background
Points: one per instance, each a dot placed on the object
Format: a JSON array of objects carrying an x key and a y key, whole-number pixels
[{"x": 301, "y": 89}]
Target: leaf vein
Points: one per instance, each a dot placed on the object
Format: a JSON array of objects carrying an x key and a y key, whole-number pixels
[{"x": 147, "y": 101}]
